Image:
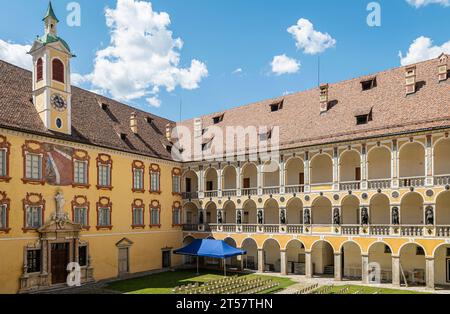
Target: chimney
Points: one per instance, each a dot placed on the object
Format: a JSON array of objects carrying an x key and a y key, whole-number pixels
[
  {"x": 198, "y": 127},
  {"x": 133, "y": 123},
  {"x": 410, "y": 80},
  {"x": 443, "y": 67},
  {"x": 324, "y": 98},
  {"x": 169, "y": 132}
]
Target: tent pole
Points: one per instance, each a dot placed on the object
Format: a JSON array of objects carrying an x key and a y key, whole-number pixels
[
  {"x": 225, "y": 267},
  {"x": 197, "y": 267}
]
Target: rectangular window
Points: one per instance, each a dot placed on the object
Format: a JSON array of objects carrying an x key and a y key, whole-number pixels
[
  {"x": 176, "y": 216},
  {"x": 104, "y": 175},
  {"x": 138, "y": 179},
  {"x": 80, "y": 172},
  {"x": 33, "y": 261},
  {"x": 82, "y": 256},
  {"x": 246, "y": 183},
  {"x": 34, "y": 217},
  {"x": 33, "y": 165},
  {"x": 209, "y": 186},
  {"x": 80, "y": 216},
  {"x": 154, "y": 181},
  {"x": 176, "y": 179},
  {"x": 3, "y": 213},
  {"x": 104, "y": 217},
  {"x": 154, "y": 217},
  {"x": 138, "y": 216},
  {"x": 3, "y": 163}
]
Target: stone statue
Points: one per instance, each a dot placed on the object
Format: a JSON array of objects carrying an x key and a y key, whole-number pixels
[
  {"x": 395, "y": 216},
  {"x": 364, "y": 216},
  {"x": 307, "y": 217},
  {"x": 239, "y": 218},
  {"x": 60, "y": 201},
  {"x": 429, "y": 216},
  {"x": 336, "y": 217},
  {"x": 260, "y": 217},
  {"x": 219, "y": 217},
  {"x": 201, "y": 218},
  {"x": 282, "y": 217},
  {"x": 60, "y": 217}
]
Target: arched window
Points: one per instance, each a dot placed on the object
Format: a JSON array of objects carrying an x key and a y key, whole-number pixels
[
  {"x": 39, "y": 70},
  {"x": 58, "y": 70}
]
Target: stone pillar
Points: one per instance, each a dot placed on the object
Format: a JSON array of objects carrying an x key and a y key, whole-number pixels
[
  {"x": 282, "y": 176},
  {"x": 365, "y": 268},
  {"x": 219, "y": 182},
  {"x": 338, "y": 266},
  {"x": 238, "y": 181},
  {"x": 429, "y": 161},
  {"x": 260, "y": 178},
  {"x": 307, "y": 172},
  {"x": 283, "y": 263},
  {"x": 396, "y": 270},
  {"x": 429, "y": 272},
  {"x": 308, "y": 265},
  {"x": 261, "y": 260},
  {"x": 335, "y": 169},
  {"x": 394, "y": 165},
  {"x": 364, "y": 168}
]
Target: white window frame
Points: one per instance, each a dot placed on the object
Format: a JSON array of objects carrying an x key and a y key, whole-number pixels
[
  {"x": 141, "y": 216},
  {"x": 80, "y": 173},
  {"x": 3, "y": 216},
  {"x": 77, "y": 210},
  {"x": 176, "y": 184},
  {"x": 3, "y": 162},
  {"x": 101, "y": 222},
  {"x": 31, "y": 173},
  {"x": 155, "y": 181},
  {"x": 104, "y": 175},
  {"x": 136, "y": 186},
  {"x": 33, "y": 210},
  {"x": 154, "y": 211}
]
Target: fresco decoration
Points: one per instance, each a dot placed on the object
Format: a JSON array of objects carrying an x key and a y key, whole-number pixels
[{"x": 59, "y": 165}]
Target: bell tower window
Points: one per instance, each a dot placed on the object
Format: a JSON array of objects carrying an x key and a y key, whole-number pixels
[
  {"x": 39, "y": 70},
  {"x": 58, "y": 70}
]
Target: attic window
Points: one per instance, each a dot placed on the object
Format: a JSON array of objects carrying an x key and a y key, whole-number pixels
[
  {"x": 169, "y": 148},
  {"x": 123, "y": 136},
  {"x": 276, "y": 107},
  {"x": 218, "y": 119},
  {"x": 207, "y": 144},
  {"x": 104, "y": 106},
  {"x": 149, "y": 120},
  {"x": 369, "y": 84},
  {"x": 363, "y": 116},
  {"x": 265, "y": 136}
]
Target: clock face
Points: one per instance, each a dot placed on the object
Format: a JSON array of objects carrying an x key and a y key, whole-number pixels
[{"x": 58, "y": 102}]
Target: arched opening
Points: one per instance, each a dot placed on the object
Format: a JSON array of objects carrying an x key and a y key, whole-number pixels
[
  {"x": 350, "y": 166},
  {"x": 250, "y": 215},
  {"x": 381, "y": 254},
  {"x": 232, "y": 262},
  {"x": 190, "y": 183},
  {"x": 412, "y": 262},
  {"x": 442, "y": 265},
  {"x": 379, "y": 163},
  {"x": 229, "y": 213},
  {"x": 295, "y": 254},
  {"x": 211, "y": 180},
  {"x": 271, "y": 212},
  {"x": 58, "y": 70},
  {"x": 295, "y": 173},
  {"x": 39, "y": 70},
  {"x": 412, "y": 160},
  {"x": 411, "y": 209},
  {"x": 351, "y": 261},
  {"x": 380, "y": 212},
  {"x": 188, "y": 260},
  {"x": 271, "y": 174},
  {"x": 442, "y": 158},
  {"x": 322, "y": 258},
  {"x": 249, "y": 178},
  {"x": 251, "y": 258},
  {"x": 321, "y": 211},
  {"x": 229, "y": 178},
  {"x": 294, "y": 211},
  {"x": 350, "y": 210},
  {"x": 272, "y": 258},
  {"x": 443, "y": 209},
  {"x": 190, "y": 213},
  {"x": 322, "y": 169},
  {"x": 211, "y": 213}
]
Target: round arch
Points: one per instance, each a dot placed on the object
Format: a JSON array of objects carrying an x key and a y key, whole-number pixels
[
  {"x": 442, "y": 212},
  {"x": 349, "y": 163},
  {"x": 380, "y": 210},
  {"x": 350, "y": 210},
  {"x": 251, "y": 258},
  {"x": 411, "y": 209},
  {"x": 190, "y": 181},
  {"x": 412, "y": 259},
  {"x": 441, "y": 264},
  {"x": 321, "y": 211},
  {"x": 294, "y": 171},
  {"x": 322, "y": 257},
  {"x": 229, "y": 212},
  {"x": 211, "y": 213},
  {"x": 381, "y": 253},
  {"x": 379, "y": 163},
  {"x": 294, "y": 208},
  {"x": 271, "y": 174},
  {"x": 441, "y": 157},
  {"x": 229, "y": 175},
  {"x": 190, "y": 211},
  {"x": 250, "y": 212},
  {"x": 351, "y": 260},
  {"x": 249, "y": 175},
  {"x": 295, "y": 254},
  {"x": 272, "y": 256},
  {"x": 271, "y": 212},
  {"x": 412, "y": 160},
  {"x": 321, "y": 169}
]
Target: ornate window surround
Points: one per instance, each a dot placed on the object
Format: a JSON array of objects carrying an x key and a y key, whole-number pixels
[
  {"x": 83, "y": 156},
  {"x": 154, "y": 168},
  {"x": 104, "y": 159},
  {"x": 137, "y": 164},
  {"x": 27, "y": 148},
  {"x": 81, "y": 201},
  {"x": 5, "y": 145},
  {"x": 177, "y": 206},
  {"x": 138, "y": 203},
  {"x": 5, "y": 201},
  {"x": 155, "y": 204},
  {"x": 102, "y": 203},
  {"x": 176, "y": 172},
  {"x": 27, "y": 201}
]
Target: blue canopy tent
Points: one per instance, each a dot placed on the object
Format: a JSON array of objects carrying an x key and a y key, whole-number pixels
[{"x": 210, "y": 248}]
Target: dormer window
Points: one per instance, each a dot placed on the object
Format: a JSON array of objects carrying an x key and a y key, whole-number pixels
[
  {"x": 363, "y": 116},
  {"x": 369, "y": 84},
  {"x": 276, "y": 107},
  {"x": 149, "y": 120},
  {"x": 104, "y": 106},
  {"x": 122, "y": 136},
  {"x": 218, "y": 119},
  {"x": 265, "y": 136}
]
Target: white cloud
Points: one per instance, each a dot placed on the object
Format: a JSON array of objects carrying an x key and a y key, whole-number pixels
[
  {"x": 16, "y": 54},
  {"x": 282, "y": 64},
  {"x": 309, "y": 40},
  {"x": 422, "y": 49},
  {"x": 423, "y": 3},
  {"x": 237, "y": 71},
  {"x": 154, "y": 101},
  {"x": 142, "y": 56}
]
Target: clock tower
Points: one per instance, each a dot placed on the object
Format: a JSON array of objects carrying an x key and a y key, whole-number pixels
[{"x": 51, "y": 76}]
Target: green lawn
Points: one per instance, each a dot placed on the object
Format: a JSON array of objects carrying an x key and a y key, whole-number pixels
[
  {"x": 163, "y": 283},
  {"x": 371, "y": 290}
]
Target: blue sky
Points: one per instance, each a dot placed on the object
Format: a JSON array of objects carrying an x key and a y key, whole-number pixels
[{"x": 226, "y": 35}]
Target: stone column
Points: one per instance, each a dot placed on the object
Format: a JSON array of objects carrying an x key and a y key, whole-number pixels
[
  {"x": 429, "y": 272},
  {"x": 335, "y": 169},
  {"x": 307, "y": 172},
  {"x": 429, "y": 161},
  {"x": 364, "y": 168},
  {"x": 219, "y": 182},
  {"x": 308, "y": 265},
  {"x": 260, "y": 178},
  {"x": 281, "y": 174},
  {"x": 283, "y": 262},
  {"x": 365, "y": 268},
  {"x": 338, "y": 266},
  {"x": 394, "y": 165},
  {"x": 396, "y": 270},
  {"x": 261, "y": 260},
  {"x": 238, "y": 181}
]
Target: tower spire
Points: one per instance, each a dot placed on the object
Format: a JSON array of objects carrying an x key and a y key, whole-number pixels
[
  {"x": 50, "y": 21},
  {"x": 50, "y": 13}
]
